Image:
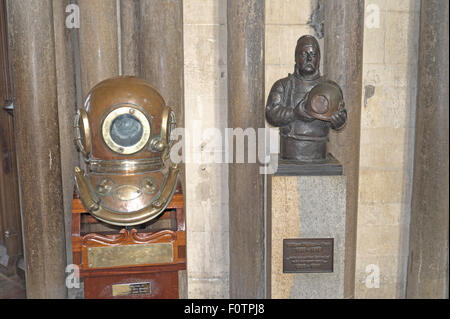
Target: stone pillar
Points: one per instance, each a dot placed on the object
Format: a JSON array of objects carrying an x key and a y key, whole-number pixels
[
  {"x": 161, "y": 50},
  {"x": 245, "y": 47},
  {"x": 428, "y": 252},
  {"x": 129, "y": 35},
  {"x": 161, "y": 62},
  {"x": 98, "y": 42},
  {"x": 161, "y": 53},
  {"x": 343, "y": 53},
  {"x": 65, "y": 81},
  {"x": 206, "y": 197},
  {"x": 10, "y": 222},
  {"x": 38, "y": 152}
]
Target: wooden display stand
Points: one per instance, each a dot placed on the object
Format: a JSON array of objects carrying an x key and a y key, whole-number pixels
[{"x": 141, "y": 262}]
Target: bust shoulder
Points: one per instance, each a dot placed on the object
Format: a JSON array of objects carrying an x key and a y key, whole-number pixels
[{"x": 281, "y": 84}]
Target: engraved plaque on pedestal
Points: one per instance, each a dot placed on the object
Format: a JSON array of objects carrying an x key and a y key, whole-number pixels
[{"x": 308, "y": 255}]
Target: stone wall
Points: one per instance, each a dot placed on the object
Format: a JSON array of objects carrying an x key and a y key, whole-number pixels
[
  {"x": 387, "y": 146},
  {"x": 205, "y": 83},
  {"x": 286, "y": 21}
]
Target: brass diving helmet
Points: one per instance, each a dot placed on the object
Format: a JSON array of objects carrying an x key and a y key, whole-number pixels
[{"x": 123, "y": 132}]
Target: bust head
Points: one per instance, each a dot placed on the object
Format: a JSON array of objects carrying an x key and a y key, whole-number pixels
[{"x": 307, "y": 56}]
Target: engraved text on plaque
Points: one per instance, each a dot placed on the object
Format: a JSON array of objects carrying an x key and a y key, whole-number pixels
[{"x": 308, "y": 255}]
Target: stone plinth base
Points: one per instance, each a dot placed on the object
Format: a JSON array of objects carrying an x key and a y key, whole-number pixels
[
  {"x": 329, "y": 166},
  {"x": 304, "y": 207}
]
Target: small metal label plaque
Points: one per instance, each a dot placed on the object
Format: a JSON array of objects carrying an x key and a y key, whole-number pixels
[
  {"x": 308, "y": 255},
  {"x": 144, "y": 254},
  {"x": 139, "y": 288}
]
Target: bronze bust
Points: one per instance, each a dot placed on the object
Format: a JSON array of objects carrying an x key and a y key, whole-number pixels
[{"x": 304, "y": 105}]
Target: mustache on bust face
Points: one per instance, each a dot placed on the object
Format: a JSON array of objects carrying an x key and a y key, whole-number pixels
[{"x": 308, "y": 65}]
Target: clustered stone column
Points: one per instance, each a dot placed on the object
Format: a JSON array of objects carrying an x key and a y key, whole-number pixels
[
  {"x": 161, "y": 62},
  {"x": 161, "y": 50},
  {"x": 343, "y": 57},
  {"x": 38, "y": 146},
  {"x": 428, "y": 252},
  {"x": 246, "y": 184},
  {"x": 98, "y": 42},
  {"x": 65, "y": 81},
  {"x": 160, "y": 53},
  {"x": 129, "y": 35}
]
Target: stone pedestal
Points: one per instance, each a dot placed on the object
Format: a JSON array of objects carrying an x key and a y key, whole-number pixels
[{"x": 306, "y": 207}]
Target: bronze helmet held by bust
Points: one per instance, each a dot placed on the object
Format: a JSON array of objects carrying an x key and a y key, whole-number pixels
[
  {"x": 123, "y": 132},
  {"x": 323, "y": 100}
]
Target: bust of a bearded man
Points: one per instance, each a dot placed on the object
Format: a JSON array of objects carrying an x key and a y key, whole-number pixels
[{"x": 303, "y": 136}]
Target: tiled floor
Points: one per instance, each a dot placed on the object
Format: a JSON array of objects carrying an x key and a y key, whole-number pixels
[{"x": 11, "y": 287}]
